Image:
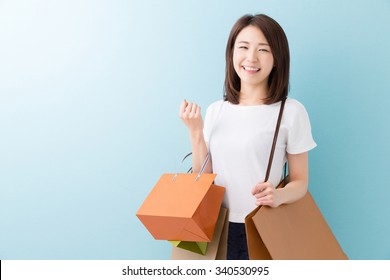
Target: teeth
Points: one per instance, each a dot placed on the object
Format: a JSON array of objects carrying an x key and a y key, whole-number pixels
[{"x": 251, "y": 68}]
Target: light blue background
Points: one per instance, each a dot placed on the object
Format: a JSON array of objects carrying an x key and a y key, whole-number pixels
[{"x": 89, "y": 99}]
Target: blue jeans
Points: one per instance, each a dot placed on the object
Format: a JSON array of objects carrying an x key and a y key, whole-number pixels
[{"x": 237, "y": 248}]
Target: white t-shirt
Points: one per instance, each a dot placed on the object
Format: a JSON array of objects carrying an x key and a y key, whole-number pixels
[{"x": 240, "y": 140}]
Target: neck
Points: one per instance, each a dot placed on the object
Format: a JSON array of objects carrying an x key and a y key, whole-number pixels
[{"x": 253, "y": 95}]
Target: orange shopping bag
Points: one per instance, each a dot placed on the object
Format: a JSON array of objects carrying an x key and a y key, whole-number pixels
[{"x": 182, "y": 207}]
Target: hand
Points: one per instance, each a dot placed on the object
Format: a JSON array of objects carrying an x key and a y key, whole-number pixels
[
  {"x": 266, "y": 194},
  {"x": 191, "y": 116}
]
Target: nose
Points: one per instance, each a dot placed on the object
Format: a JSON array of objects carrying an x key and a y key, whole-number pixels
[{"x": 252, "y": 56}]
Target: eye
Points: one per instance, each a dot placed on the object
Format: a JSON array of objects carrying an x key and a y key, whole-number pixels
[
  {"x": 243, "y": 47},
  {"x": 263, "y": 50}
]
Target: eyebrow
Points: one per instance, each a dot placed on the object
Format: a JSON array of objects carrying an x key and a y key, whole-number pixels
[{"x": 246, "y": 42}]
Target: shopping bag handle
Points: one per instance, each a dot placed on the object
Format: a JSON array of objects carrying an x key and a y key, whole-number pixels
[
  {"x": 202, "y": 167},
  {"x": 186, "y": 156},
  {"x": 271, "y": 156}
]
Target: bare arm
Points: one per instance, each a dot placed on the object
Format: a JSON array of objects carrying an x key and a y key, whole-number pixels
[
  {"x": 190, "y": 114},
  {"x": 298, "y": 166}
]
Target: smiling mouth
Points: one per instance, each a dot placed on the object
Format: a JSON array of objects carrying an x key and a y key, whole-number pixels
[{"x": 252, "y": 69}]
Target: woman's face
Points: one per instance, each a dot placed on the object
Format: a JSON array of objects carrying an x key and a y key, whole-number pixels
[{"x": 252, "y": 57}]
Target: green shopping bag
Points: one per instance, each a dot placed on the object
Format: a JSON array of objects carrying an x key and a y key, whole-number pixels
[{"x": 196, "y": 247}]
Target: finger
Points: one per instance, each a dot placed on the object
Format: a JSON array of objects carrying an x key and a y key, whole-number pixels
[
  {"x": 255, "y": 189},
  {"x": 183, "y": 106},
  {"x": 197, "y": 112},
  {"x": 258, "y": 188},
  {"x": 194, "y": 109},
  {"x": 264, "y": 201},
  {"x": 189, "y": 107},
  {"x": 261, "y": 195}
]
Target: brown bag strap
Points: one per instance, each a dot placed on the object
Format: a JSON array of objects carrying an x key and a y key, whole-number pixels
[{"x": 271, "y": 156}]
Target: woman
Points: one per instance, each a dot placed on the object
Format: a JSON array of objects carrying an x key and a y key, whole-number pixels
[{"x": 238, "y": 130}]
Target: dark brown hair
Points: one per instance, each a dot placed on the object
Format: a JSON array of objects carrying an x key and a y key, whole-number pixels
[{"x": 278, "y": 80}]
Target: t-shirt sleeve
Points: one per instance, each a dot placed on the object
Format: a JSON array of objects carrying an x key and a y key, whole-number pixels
[
  {"x": 300, "y": 138},
  {"x": 211, "y": 115}
]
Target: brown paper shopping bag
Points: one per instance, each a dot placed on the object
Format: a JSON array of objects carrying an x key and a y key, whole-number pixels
[
  {"x": 291, "y": 231},
  {"x": 182, "y": 207},
  {"x": 216, "y": 249},
  {"x": 296, "y": 231}
]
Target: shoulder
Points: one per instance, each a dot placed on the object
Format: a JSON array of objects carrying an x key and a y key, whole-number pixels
[
  {"x": 215, "y": 107},
  {"x": 216, "y": 104},
  {"x": 214, "y": 110},
  {"x": 293, "y": 107}
]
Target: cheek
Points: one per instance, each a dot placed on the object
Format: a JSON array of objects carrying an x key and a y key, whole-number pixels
[
  {"x": 236, "y": 62},
  {"x": 272, "y": 62},
  {"x": 269, "y": 62}
]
